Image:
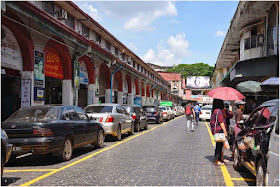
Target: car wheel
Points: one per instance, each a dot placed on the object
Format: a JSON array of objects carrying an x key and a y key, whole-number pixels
[
  {"x": 236, "y": 160},
  {"x": 131, "y": 129},
  {"x": 138, "y": 127},
  {"x": 100, "y": 139},
  {"x": 119, "y": 134},
  {"x": 261, "y": 173},
  {"x": 67, "y": 150}
]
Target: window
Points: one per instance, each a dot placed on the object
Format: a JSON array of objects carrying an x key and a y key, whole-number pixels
[
  {"x": 98, "y": 38},
  {"x": 108, "y": 46},
  {"x": 82, "y": 115},
  {"x": 70, "y": 114},
  {"x": 70, "y": 21},
  {"x": 142, "y": 69},
  {"x": 133, "y": 62},
  {"x": 85, "y": 31},
  {"x": 120, "y": 110},
  {"x": 138, "y": 67},
  {"x": 123, "y": 56},
  {"x": 255, "y": 40},
  {"x": 48, "y": 7},
  {"x": 116, "y": 52},
  {"x": 98, "y": 109}
]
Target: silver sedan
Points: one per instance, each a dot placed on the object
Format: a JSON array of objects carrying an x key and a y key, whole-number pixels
[{"x": 116, "y": 121}]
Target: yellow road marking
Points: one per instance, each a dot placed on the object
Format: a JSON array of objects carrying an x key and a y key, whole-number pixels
[
  {"x": 89, "y": 156},
  {"x": 25, "y": 170},
  {"x": 225, "y": 172},
  {"x": 243, "y": 179}
]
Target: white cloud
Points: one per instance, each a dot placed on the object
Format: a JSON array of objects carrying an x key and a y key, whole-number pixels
[
  {"x": 172, "y": 53},
  {"x": 144, "y": 19},
  {"x": 132, "y": 47},
  {"x": 220, "y": 33},
  {"x": 174, "y": 21},
  {"x": 90, "y": 10}
]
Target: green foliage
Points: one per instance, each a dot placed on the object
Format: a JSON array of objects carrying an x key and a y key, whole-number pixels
[{"x": 198, "y": 69}]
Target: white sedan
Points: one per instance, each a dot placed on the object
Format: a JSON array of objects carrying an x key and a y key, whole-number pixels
[{"x": 205, "y": 112}]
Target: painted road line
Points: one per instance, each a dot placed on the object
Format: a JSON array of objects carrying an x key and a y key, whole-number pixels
[
  {"x": 243, "y": 179},
  {"x": 27, "y": 170},
  {"x": 89, "y": 156},
  {"x": 225, "y": 172}
]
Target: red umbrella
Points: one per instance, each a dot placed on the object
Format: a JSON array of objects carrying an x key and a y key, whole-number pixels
[{"x": 226, "y": 94}]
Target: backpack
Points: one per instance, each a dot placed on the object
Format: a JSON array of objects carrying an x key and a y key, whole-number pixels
[{"x": 188, "y": 110}]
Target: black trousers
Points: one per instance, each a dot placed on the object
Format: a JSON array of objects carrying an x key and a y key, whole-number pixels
[{"x": 218, "y": 151}]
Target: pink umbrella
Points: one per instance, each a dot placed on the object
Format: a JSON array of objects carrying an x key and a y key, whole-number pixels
[{"x": 226, "y": 94}]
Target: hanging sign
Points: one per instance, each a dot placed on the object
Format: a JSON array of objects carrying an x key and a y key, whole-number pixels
[
  {"x": 25, "y": 93},
  {"x": 137, "y": 101},
  {"x": 53, "y": 64},
  {"x": 10, "y": 51},
  {"x": 83, "y": 74},
  {"x": 76, "y": 75},
  {"x": 39, "y": 75},
  {"x": 39, "y": 94}
]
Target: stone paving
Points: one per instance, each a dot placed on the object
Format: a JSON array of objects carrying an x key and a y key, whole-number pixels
[{"x": 166, "y": 156}]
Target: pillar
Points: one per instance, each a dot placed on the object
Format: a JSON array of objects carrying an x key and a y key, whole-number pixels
[
  {"x": 91, "y": 94},
  {"x": 30, "y": 75},
  {"x": 130, "y": 99},
  {"x": 108, "y": 96},
  {"x": 120, "y": 98},
  {"x": 67, "y": 92}
]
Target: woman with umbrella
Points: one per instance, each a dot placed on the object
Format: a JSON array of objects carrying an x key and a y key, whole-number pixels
[{"x": 217, "y": 120}]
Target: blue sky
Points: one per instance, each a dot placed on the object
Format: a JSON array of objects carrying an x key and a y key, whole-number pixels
[{"x": 166, "y": 33}]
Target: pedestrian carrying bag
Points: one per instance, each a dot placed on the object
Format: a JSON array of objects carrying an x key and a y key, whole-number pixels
[
  {"x": 188, "y": 110},
  {"x": 218, "y": 137}
]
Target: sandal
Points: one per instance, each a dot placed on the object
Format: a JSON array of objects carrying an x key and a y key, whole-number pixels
[
  {"x": 218, "y": 163},
  {"x": 225, "y": 160}
]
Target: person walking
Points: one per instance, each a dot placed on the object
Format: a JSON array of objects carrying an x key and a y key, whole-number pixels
[
  {"x": 217, "y": 119},
  {"x": 189, "y": 115},
  {"x": 197, "y": 110}
]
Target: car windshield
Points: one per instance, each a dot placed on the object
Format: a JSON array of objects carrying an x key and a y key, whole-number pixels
[
  {"x": 162, "y": 108},
  {"x": 34, "y": 115},
  {"x": 98, "y": 109},
  {"x": 149, "y": 108},
  {"x": 128, "y": 109},
  {"x": 206, "y": 108}
]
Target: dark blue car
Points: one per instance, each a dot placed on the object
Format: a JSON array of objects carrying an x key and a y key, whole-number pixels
[{"x": 153, "y": 113}]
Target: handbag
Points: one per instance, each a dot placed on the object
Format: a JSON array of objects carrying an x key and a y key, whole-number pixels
[{"x": 218, "y": 137}]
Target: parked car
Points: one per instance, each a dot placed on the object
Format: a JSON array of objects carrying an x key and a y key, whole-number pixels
[
  {"x": 115, "y": 119},
  {"x": 182, "y": 110},
  {"x": 177, "y": 111},
  {"x": 6, "y": 149},
  {"x": 272, "y": 172},
  {"x": 166, "y": 115},
  {"x": 170, "y": 112},
  {"x": 153, "y": 113},
  {"x": 251, "y": 152},
  {"x": 205, "y": 112},
  {"x": 139, "y": 116},
  {"x": 52, "y": 129}
]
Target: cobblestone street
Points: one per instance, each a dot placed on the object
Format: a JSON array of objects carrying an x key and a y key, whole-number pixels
[{"x": 165, "y": 155}]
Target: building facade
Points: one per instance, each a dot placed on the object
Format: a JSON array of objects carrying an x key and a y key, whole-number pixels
[
  {"x": 54, "y": 53},
  {"x": 250, "y": 50}
]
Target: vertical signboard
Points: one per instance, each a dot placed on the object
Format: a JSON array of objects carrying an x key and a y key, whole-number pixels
[
  {"x": 25, "y": 92},
  {"x": 76, "y": 75},
  {"x": 39, "y": 74}
]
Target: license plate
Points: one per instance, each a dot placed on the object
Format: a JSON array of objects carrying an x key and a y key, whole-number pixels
[
  {"x": 149, "y": 114},
  {"x": 207, "y": 112},
  {"x": 16, "y": 148}
]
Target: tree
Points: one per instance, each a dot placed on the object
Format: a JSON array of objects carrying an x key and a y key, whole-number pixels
[{"x": 198, "y": 69}]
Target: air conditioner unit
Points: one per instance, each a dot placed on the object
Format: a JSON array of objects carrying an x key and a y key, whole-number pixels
[{"x": 63, "y": 14}]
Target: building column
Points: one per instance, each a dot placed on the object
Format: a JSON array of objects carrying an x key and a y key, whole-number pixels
[
  {"x": 108, "y": 96},
  {"x": 91, "y": 94},
  {"x": 67, "y": 92},
  {"x": 30, "y": 75},
  {"x": 130, "y": 99},
  {"x": 143, "y": 100},
  {"x": 120, "y": 98}
]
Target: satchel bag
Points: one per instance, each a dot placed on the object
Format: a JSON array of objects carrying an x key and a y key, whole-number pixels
[{"x": 218, "y": 137}]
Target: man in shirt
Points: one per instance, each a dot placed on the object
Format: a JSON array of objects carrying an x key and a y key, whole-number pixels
[{"x": 197, "y": 110}]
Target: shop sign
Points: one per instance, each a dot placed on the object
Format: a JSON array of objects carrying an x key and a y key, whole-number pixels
[
  {"x": 83, "y": 74},
  {"x": 10, "y": 51},
  {"x": 39, "y": 75},
  {"x": 39, "y": 94},
  {"x": 25, "y": 92},
  {"x": 53, "y": 64},
  {"x": 137, "y": 101},
  {"x": 76, "y": 75}
]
